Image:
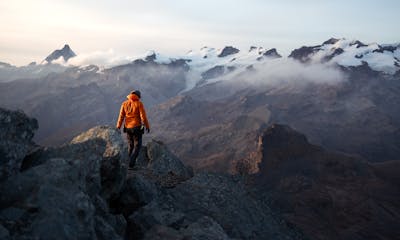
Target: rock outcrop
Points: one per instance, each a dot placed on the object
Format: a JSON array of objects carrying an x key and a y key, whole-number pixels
[
  {"x": 228, "y": 50},
  {"x": 82, "y": 190},
  {"x": 208, "y": 205},
  {"x": 16, "y": 133},
  {"x": 112, "y": 168},
  {"x": 328, "y": 195},
  {"x": 63, "y": 192}
]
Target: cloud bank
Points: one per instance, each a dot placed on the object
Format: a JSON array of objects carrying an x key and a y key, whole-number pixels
[
  {"x": 100, "y": 58},
  {"x": 286, "y": 71}
]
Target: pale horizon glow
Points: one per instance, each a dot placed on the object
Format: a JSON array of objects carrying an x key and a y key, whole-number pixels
[{"x": 33, "y": 29}]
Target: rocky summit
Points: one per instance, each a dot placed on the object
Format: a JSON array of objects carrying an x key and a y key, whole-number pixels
[
  {"x": 287, "y": 189},
  {"x": 83, "y": 190}
]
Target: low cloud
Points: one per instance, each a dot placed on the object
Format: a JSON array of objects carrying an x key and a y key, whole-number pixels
[
  {"x": 100, "y": 58},
  {"x": 285, "y": 71},
  {"x": 291, "y": 71}
]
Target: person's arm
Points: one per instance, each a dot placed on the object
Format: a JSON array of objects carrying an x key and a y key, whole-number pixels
[
  {"x": 121, "y": 116},
  {"x": 143, "y": 116}
]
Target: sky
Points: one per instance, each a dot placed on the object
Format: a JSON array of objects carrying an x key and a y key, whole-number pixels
[{"x": 31, "y": 29}]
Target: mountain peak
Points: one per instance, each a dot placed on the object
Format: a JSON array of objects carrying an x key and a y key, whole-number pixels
[
  {"x": 66, "y": 48},
  {"x": 273, "y": 53},
  {"x": 228, "y": 50},
  {"x": 66, "y": 52},
  {"x": 331, "y": 41}
]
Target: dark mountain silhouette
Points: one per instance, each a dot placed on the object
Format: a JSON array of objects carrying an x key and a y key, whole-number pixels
[{"x": 66, "y": 52}]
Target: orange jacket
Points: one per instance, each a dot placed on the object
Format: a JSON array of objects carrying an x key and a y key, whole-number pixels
[{"x": 132, "y": 110}]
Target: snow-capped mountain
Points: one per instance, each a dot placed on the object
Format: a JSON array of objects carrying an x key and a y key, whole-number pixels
[
  {"x": 347, "y": 53},
  {"x": 232, "y": 89},
  {"x": 209, "y": 65}
]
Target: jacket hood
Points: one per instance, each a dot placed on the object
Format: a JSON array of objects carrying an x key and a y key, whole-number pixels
[{"x": 132, "y": 97}]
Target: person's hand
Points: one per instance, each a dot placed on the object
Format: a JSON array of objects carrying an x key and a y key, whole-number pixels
[{"x": 148, "y": 130}]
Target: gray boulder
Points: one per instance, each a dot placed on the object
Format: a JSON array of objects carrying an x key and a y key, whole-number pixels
[
  {"x": 137, "y": 192},
  {"x": 61, "y": 192},
  {"x": 211, "y": 206},
  {"x": 16, "y": 133},
  {"x": 205, "y": 228},
  {"x": 4, "y": 234},
  {"x": 163, "y": 162},
  {"x": 112, "y": 168},
  {"x": 153, "y": 214},
  {"x": 53, "y": 199},
  {"x": 160, "y": 232}
]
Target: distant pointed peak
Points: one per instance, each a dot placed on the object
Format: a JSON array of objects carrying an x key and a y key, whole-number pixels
[
  {"x": 66, "y": 52},
  {"x": 66, "y": 47}
]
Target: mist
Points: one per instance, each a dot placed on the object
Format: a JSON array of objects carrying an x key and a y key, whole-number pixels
[
  {"x": 289, "y": 71},
  {"x": 272, "y": 73},
  {"x": 100, "y": 58}
]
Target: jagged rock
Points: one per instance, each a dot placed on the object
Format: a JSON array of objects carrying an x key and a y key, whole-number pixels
[
  {"x": 16, "y": 133},
  {"x": 213, "y": 72},
  {"x": 137, "y": 192},
  {"x": 336, "y": 52},
  {"x": 386, "y": 48},
  {"x": 54, "y": 203},
  {"x": 154, "y": 213},
  {"x": 229, "y": 50},
  {"x": 4, "y": 234},
  {"x": 272, "y": 53},
  {"x": 304, "y": 53},
  {"x": 112, "y": 168},
  {"x": 328, "y": 195},
  {"x": 104, "y": 231},
  {"x": 331, "y": 41},
  {"x": 222, "y": 198},
  {"x": 358, "y": 44},
  {"x": 160, "y": 232},
  {"x": 58, "y": 191},
  {"x": 205, "y": 228},
  {"x": 57, "y": 200},
  {"x": 163, "y": 162},
  {"x": 118, "y": 221}
]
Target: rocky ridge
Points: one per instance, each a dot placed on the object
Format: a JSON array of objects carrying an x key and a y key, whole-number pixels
[
  {"x": 82, "y": 190},
  {"x": 329, "y": 195}
]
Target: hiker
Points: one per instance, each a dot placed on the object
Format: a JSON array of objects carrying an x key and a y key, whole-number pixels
[{"x": 132, "y": 110}]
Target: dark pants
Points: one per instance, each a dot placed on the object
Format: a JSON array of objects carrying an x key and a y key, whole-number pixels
[{"x": 134, "y": 136}]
